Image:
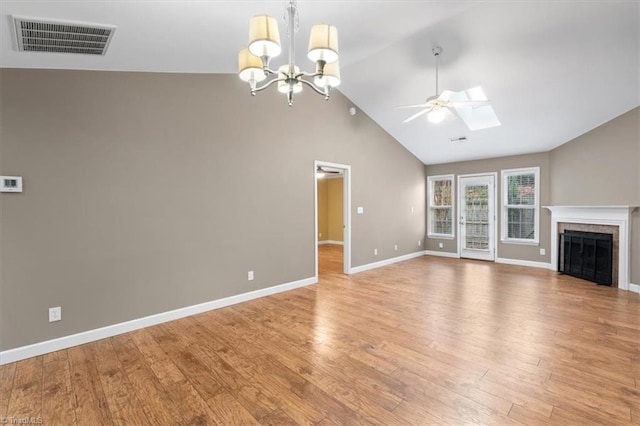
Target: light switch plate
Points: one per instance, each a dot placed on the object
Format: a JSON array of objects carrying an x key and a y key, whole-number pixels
[{"x": 55, "y": 314}]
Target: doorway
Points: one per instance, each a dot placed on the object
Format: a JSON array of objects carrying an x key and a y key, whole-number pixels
[
  {"x": 342, "y": 252},
  {"x": 477, "y": 216}
]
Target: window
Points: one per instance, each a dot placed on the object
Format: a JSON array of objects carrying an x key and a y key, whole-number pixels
[
  {"x": 440, "y": 211},
  {"x": 521, "y": 205}
]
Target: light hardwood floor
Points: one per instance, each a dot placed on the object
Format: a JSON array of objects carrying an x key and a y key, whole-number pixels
[{"x": 427, "y": 341}]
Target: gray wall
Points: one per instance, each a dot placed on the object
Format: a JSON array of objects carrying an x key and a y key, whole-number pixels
[
  {"x": 150, "y": 192},
  {"x": 509, "y": 251},
  {"x": 602, "y": 167},
  {"x": 2, "y": 298}
]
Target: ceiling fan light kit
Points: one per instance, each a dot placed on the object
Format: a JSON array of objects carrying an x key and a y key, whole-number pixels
[
  {"x": 437, "y": 115},
  {"x": 264, "y": 44}
]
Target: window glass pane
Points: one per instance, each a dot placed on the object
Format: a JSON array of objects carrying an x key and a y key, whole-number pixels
[
  {"x": 521, "y": 189},
  {"x": 441, "y": 193},
  {"x": 441, "y": 222},
  {"x": 521, "y": 223},
  {"x": 441, "y": 205}
]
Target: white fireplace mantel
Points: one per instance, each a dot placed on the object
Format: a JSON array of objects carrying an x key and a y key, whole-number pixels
[{"x": 619, "y": 216}]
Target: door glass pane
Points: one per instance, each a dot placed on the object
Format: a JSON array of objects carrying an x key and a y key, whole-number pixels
[{"x": 476, "y": 217}]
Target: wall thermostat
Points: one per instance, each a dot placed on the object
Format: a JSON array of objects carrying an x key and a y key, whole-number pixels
[{"x": 10, "y": 184}]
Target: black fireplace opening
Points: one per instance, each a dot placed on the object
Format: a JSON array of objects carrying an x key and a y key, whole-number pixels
[{"x": 586, "y": 255}]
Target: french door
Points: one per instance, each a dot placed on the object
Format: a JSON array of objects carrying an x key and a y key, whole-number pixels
[{"x": 477, "y": 216}]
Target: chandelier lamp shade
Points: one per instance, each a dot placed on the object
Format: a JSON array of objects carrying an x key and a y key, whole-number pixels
[{"x": 264, "y": 44}]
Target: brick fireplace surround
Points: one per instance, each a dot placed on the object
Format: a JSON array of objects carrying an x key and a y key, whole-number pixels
[{"x": 591, "y": 217}]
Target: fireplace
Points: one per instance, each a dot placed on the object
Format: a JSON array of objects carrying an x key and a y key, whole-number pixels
[
  {"x": 591, "y": 219},
  {"x": 586, "y": 255}
]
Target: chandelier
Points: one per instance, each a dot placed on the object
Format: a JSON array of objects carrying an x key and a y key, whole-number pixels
[{"x": 264, "y": 44}]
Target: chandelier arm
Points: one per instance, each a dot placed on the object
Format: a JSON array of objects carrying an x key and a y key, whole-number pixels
[
  {"x": 264, "y": 86},
  {"x": 308, "y": 75},
  {"x": 268, "y": 70},
  {"x": 324, "y": 93}
]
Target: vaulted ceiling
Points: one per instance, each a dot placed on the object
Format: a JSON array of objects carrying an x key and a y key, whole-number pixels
[{"x": 552, "y": 70}]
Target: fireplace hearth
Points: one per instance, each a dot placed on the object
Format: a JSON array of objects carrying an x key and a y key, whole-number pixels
[{"x": 586, "y": 255}]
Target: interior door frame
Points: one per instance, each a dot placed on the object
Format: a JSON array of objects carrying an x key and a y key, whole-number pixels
[
  {"x": 494, "y": 175},
  {"x": 346, "y": 212}
]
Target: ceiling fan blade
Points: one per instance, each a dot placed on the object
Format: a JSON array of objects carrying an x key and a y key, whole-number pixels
[
  {"x": 461, "y": 104},
  {"x": 414, "y": 116},
  {"x": 413, "y": 106}
]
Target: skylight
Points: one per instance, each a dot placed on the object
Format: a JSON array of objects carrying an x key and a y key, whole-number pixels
[{"x": 478, "y": 117}]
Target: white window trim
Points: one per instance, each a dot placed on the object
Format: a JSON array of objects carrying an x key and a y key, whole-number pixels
[
  {"x": 430, "y": 181},
  {"x": 504, "y": 174}
]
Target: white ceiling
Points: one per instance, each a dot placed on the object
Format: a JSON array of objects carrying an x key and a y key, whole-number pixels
[{"x": 552, "y": 70}]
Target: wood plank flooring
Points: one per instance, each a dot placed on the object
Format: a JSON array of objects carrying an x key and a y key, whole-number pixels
[{"x": 427, "y": 341}]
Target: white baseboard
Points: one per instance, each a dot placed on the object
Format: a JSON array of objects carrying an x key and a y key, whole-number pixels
[
  {"x": 339, "y": 243},
  {"x": 386, "y": 262},
  {"x": 519, "y": 262},
  {"x": 65, "y": 342},
  {"x": 442, "y": 254},
  {"x": 634, "y": 288}
]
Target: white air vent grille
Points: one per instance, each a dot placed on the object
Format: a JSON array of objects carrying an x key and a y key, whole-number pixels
[
  {"x": 39, "y": 35},
  {"x": 458, "y": 139}
]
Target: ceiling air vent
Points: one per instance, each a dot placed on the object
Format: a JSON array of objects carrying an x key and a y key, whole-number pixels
[
  {"x": 42, "y": 35},
  {"x": 458, "y": 139}
]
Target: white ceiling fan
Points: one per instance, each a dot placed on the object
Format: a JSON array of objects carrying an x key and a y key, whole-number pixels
[{"x": 471, "y": 105}]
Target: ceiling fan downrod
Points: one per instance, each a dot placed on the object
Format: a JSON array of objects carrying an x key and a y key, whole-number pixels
[{"x": 436, "y": 52}]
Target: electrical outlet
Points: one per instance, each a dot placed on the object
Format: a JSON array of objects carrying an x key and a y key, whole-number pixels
[
  {"x": 55, "y": 314},
  {"x": 320, "y": 235},
  {"x": 411, "y": 209},
  {"x": 543, "y": 252},
  {"x": 395, "y": 247},
  {"x": 440, "y": 245},
  {"x": 250, "y": 276},
  {"x": 375, "y": 252}
]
